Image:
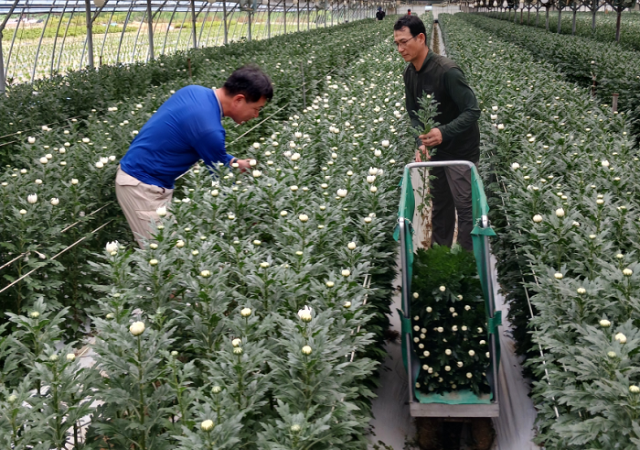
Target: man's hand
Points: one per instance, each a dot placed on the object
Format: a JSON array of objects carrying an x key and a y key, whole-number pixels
[
  {"x": 422, "y": 151},
  {"x": 243, "y": 164},
  {"x": 431, "y": 139}
]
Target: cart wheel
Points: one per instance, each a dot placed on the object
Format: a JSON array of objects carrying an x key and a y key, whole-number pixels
[
  {"x": 483, "y": 433},
  {"x": 429, "y": 433}
]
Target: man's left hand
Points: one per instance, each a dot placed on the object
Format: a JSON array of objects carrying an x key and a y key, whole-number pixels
[{"x": 432, "y": 139}]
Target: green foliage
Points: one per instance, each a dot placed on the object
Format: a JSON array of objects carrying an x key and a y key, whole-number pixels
[
  {"x": 570, "y": 274},
  {"x": 449, "y": 321},
  {"x": 205, "y": 373}
]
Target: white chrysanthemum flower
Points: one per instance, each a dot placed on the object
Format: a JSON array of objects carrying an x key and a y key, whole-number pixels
[
  {"x": 264, "y": 265},
  {"x": 205, "y": 274},
  {"x": 385, "y": 143},
  {"x": 342, "y": 193},
  {"x": 627, "y": 272},
  {"x": 306, "y": 350},
  {"x": 303, "y": 218},
  {"x": 112, "y": 247},
  {"x": 557, "y": 276},
  {"x": 345, "y": 272},
  {"x": 305, "y": 314},
  {"x": 537, "y": 218},
  {"x": 137, "y": 328},
  {"x": 351, "y": 246},
  {"x": 236, "y": 342},
  {"x": 500, "y": 126},
  {"x": 620, "y": 338},
  {"x": 207, "y": 426},
  {"x": 162, "y": 211},
  {"x": 604, "y": 323}
]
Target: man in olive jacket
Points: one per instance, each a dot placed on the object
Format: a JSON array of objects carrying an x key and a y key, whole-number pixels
[{"x": 456, "y": 138}]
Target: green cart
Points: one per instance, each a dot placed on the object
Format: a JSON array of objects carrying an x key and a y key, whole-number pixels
[{"x": 458, "y": 404}]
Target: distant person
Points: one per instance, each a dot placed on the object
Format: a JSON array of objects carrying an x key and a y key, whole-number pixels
[
  {"x": 380, "y": 14},
  {"x": 185, "y": 129},
  {"x": 408, "y": 12}
]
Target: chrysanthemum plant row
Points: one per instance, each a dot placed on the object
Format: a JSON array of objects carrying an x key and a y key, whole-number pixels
[
  {"x": 582, "y": 60},
  {"x": 562, "y": 172},
  {"x": 251, "y": 319},
  {"x": 52, "y": 102},
  {"x": 605, "y": 30},
  {"x": 70, "y": 169}
]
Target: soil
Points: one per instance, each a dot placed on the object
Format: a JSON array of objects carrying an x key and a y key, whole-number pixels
[{"x": 441, "y": 434}]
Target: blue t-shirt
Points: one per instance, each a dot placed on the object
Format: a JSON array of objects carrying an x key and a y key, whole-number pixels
[{"x": 186, "y": 128}]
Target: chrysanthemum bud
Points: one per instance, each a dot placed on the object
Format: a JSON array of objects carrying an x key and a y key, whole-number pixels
[
  {"x": 137, "y": 328},
  {"x": 305, "y": 314},
  {"x": 207, "y": 426},
  {"x": 245, "y": 312}
]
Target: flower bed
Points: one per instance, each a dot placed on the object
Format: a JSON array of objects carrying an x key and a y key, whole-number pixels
[
  {"x": 254, "y": 319},
  {"x": 563, "y": 172},
  {"x": 76, "y": 164},
  {"x": 580, "y": 59}
]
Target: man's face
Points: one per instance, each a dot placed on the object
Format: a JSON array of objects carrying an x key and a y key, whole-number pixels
[
  {"x": 244, "y": 110},
  {"x": 408, "y": 46}
]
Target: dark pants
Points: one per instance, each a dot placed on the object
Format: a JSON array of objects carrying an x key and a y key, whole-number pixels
[{"x": 451, "y": 193}]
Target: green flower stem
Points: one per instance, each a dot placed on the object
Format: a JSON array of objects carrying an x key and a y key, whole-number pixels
[
  {"x": 181, "y": 405},
  {"x": 141, "y": 412},
  {"x": 58, "y": 432}
]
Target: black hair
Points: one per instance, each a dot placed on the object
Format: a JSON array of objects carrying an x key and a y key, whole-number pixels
[
  {"x": 251, "y": 82},
  {"x": 413, "y": 23}
]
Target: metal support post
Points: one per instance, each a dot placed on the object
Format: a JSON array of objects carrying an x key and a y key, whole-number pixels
[
  {"x": 3, "y": 80},
  {"x": 298, "y": 10},
  {"x": 193, "y": 22},
  {"x": 224, "y": 20},
  {"x": 269, "y": 19},
  {"x": 150, "y": 30},
  {"x": 614, "y": 103},
  {"x": 87, "y": 4},
  {"x": 249, "y": 17},
  {"x": 308, "y": 16}
]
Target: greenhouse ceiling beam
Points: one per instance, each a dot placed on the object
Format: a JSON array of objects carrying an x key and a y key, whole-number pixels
[
  {"x": 98, "y": 11},
  {"x": 3, "y": 81},
  {"x": 59, "y": 8}
]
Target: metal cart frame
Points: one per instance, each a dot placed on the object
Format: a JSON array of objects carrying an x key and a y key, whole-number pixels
[{"x": 416, "y": 408}]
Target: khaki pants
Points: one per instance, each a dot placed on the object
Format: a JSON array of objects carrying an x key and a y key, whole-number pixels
[{"x": 139, "y": 202}]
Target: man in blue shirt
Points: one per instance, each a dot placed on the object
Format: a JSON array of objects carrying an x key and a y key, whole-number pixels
[{"x": 185, "y": 129}]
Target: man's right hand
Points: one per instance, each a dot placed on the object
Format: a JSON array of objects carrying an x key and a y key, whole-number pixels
[{"x": 243, "y": 164}]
